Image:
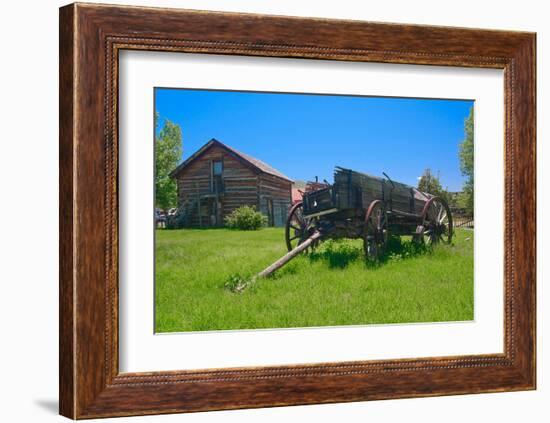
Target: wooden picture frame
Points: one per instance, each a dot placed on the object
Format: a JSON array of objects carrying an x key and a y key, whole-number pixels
[{"x": 91, "y": 36}]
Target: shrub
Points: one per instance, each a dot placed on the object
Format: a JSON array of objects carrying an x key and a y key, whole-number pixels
[{"x": 245, "y": 218}]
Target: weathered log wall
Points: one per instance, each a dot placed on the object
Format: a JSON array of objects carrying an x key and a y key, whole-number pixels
[
  {"x": 196, "y": 181},
  {"x": 276, "y": 193},
  {"x": 242, "y": 184}
]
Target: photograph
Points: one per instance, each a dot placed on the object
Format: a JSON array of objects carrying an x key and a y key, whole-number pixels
[{"x": 300, "y": 210}]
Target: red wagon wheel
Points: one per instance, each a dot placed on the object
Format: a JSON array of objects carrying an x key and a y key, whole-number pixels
[
  {"x": 298, "y": 228},
  {"x": 437, "y": 222},
  {"x": 375, "y": 232}
]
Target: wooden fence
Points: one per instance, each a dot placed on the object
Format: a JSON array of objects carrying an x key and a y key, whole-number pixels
[{"x": 462, "y": 219}]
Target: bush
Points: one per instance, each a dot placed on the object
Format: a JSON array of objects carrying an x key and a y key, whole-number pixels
[{"x": 245, "y": 218}]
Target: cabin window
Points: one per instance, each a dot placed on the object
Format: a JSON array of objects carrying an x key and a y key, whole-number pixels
[
  {"x": 217, "y": 168},
  {"x": 217, "y": 171}
]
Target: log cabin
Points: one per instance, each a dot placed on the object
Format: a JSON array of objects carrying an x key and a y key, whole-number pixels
[{"x": 217, "y": 179}]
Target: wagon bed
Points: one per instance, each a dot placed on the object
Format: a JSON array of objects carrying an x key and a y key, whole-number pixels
[{"x": 354, "y": 190}]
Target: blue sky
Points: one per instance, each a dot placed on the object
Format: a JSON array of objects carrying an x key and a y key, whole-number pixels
[{"x": 305, "y": 135}]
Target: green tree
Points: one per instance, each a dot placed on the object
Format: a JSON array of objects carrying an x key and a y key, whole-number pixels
[
  {"x": 168, "y": 151},
  {"x": 431, "y": 184},
  {"x": 461, "y": 200},
  {"x": 466, "y": 155}
]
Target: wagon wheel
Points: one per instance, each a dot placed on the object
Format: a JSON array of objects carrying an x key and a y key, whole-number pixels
[
  {"x": 437, "y": 222},
  {"x": 298, "y": 228},
  {"x": 375, "y": 232}
]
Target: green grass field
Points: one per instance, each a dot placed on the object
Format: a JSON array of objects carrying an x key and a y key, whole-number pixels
[{"x": 332, "y": 287}]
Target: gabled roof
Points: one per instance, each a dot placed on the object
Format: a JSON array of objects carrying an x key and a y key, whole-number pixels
[{"x": 249, "y": 160}]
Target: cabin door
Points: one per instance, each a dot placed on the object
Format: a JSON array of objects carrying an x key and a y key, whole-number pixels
[
  {"x": 219, "y": 208},
  {"x": 270, "y": 216},
  {"x": 215, "y": 207}
]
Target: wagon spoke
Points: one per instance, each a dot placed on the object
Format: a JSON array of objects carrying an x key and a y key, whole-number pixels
[
  {"x": 380, "y": 222},
  {"x": 438, "y": 219},
  {"x": 297, "y": 227},
  {"x": 375, "y": 230},
  {"x": 439, "y": 210}
]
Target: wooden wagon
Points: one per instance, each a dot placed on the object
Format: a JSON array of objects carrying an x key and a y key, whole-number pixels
[{"x": 358, "y": 205}]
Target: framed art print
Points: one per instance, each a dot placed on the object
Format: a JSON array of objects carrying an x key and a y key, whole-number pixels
[{"x": 260, "y": 211}]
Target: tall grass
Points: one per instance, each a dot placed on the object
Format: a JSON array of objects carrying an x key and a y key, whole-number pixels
[{"x": 331, "y": 286}]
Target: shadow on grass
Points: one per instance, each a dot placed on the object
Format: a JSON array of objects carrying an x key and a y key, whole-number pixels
[
  {"x": 398, "y": 249},
  {"x": 336, "y": 253},
  {"x": 339, "y": 254}
]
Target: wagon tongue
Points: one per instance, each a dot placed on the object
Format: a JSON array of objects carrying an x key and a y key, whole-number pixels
[{"x": 290, "y": 255}]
